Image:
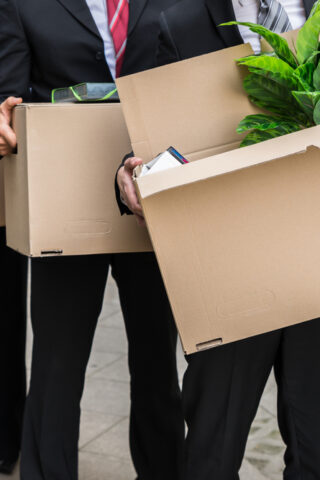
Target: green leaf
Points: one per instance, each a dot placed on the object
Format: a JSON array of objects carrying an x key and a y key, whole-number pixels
[
  {"x": 269, "y": 91},
  {"x": 257, "y": 136},
  {"x": 278, "y": 43},
  {"x": 316, "y": 113},
  {"x": 308, "y": 38},
  {"x": 305, "y": 75},
  {"x": 312, "y": 57},
  {"x": 273, "y": 107},
  {"x": 285, "y": 128},
  {"x": 267, "y": 122},
  {"x": 315, "y": 8},
  {"x": 257, "y": 122},
  {"x": 307, "y": 101},
  {"x": 284, "y": 110},
  {"x": 272, "y": 68},
  {"x": 265, "y": 88},
  {"x": 316, "y": 77}
]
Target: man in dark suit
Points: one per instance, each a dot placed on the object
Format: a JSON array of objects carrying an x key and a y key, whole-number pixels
[
  {"x": 232, "y": 378},
  {"x": 56, "y": 43},
  {"x": 223, "y": 386},
  {"x": 12, "y": 353}
]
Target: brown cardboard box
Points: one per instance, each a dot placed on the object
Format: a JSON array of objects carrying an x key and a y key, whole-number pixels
[
  {"x": 60, "y": 186},
  {"x": 2, "y": 215},
  {"x": 194, "y": 105},
  {"x": 236, "y": 234}
]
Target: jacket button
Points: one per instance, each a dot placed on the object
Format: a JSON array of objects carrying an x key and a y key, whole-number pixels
[{"x": 99, "y": 55}]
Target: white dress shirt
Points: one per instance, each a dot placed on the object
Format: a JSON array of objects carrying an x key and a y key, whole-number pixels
[
  {"x": 98, "y": 9},
  {"x": 248, "y": 10}
]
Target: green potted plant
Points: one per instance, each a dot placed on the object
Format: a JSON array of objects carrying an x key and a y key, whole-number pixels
[{"x": 285, "y": 82}]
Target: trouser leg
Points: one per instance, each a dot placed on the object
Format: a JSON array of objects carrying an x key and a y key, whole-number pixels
[
  {"x": 66, "y": 299},
  {"x": 12, "y": 349},
  {"x": 298, "y": 376},
  {"x": 221, "y": 393},
  {"x": 156, "y": 420}
]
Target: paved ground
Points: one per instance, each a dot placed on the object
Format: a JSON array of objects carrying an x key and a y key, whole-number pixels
[{"x": 104, "y": 451}]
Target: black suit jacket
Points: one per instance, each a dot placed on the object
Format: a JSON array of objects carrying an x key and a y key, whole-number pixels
[
  {"x": 190, "y": 28},
  {"x": 46, "y": 44}
]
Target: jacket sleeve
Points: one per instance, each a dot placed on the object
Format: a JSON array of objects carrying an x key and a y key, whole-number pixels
[
  {"x": 122, "y": 207},
  {"x": 14, "y": 53},
  {"x": 167, "y": 51}
]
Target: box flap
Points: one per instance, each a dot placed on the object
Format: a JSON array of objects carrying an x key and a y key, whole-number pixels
[
  {"x": 229, "y": 161},
  {"x": 194, "y": 105}
]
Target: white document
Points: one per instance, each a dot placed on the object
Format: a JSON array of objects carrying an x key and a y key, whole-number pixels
[{"x": 164, "y": 161}]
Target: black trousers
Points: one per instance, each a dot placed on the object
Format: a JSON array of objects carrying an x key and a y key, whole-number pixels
[
  {"x": 67, "y": 295},
  {"x": 222, "y": 390},
  {"x": 13, "y": 268}
]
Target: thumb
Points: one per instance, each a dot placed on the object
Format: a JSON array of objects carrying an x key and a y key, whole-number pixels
[
  {"x": 132, "y": 162},
  {"x": 8, "y": 105}
]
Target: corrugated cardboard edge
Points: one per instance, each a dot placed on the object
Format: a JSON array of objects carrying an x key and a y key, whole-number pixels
[
  {"x": 228, "y": 162},
  {"x": 133, "y": 116},
  {"x": 19, "y": 229}
]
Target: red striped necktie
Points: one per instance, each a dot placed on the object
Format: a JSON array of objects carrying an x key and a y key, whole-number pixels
[{"x": 118, "y": 18}]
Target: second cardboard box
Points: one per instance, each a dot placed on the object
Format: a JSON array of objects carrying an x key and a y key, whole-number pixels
[
  {"x": 237, "y": 233},
  {"x": 60, "y": 197}
]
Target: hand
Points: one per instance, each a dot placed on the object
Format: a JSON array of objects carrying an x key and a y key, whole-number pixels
[
  {"x": 8, "y": 139},
  {"x": 127, "y": 190}
]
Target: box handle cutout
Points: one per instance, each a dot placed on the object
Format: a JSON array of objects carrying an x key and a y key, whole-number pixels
[
  {"x": 210, "y": 344},
  {"x": 51, "y": 252}
]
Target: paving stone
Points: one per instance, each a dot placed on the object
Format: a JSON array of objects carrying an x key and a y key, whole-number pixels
[
  {"x": 102, "y": 467},
  {"x": 114, "y": 320},
  {"x": 181, "y": 361},
  {"x": 106, "y": 396},
  {"x": 269, "y": 398},
  {"x": 117, "y": 371},
  {"x": 265, "y": 448},
  {"x": 108, "y": 310},
  {"x": 100, "y": 360},
  {"x": 29, "y": 345},
  {"x": 94, "y": 424},
  {"x": 114, "y": 442},
  {"x": 14, "y": 476},
  {"x": 112, "y": 340},
  {"x": 250, "y": 472},
  {"x": 111, "y": 295}
]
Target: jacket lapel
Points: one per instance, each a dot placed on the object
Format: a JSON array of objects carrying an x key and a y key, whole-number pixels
[
  {"x": 308, "y": 4},
  {"x": 220, "y": 12},
  {"x": 80, "y": 10},
  {"x": 135, "y": 10}
]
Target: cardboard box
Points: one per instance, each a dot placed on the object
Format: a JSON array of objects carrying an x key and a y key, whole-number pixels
[
  {"x": 236, "y": 234},
  {"x": 59, "y": 188},
  {"x": 2, "y": 213}
]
